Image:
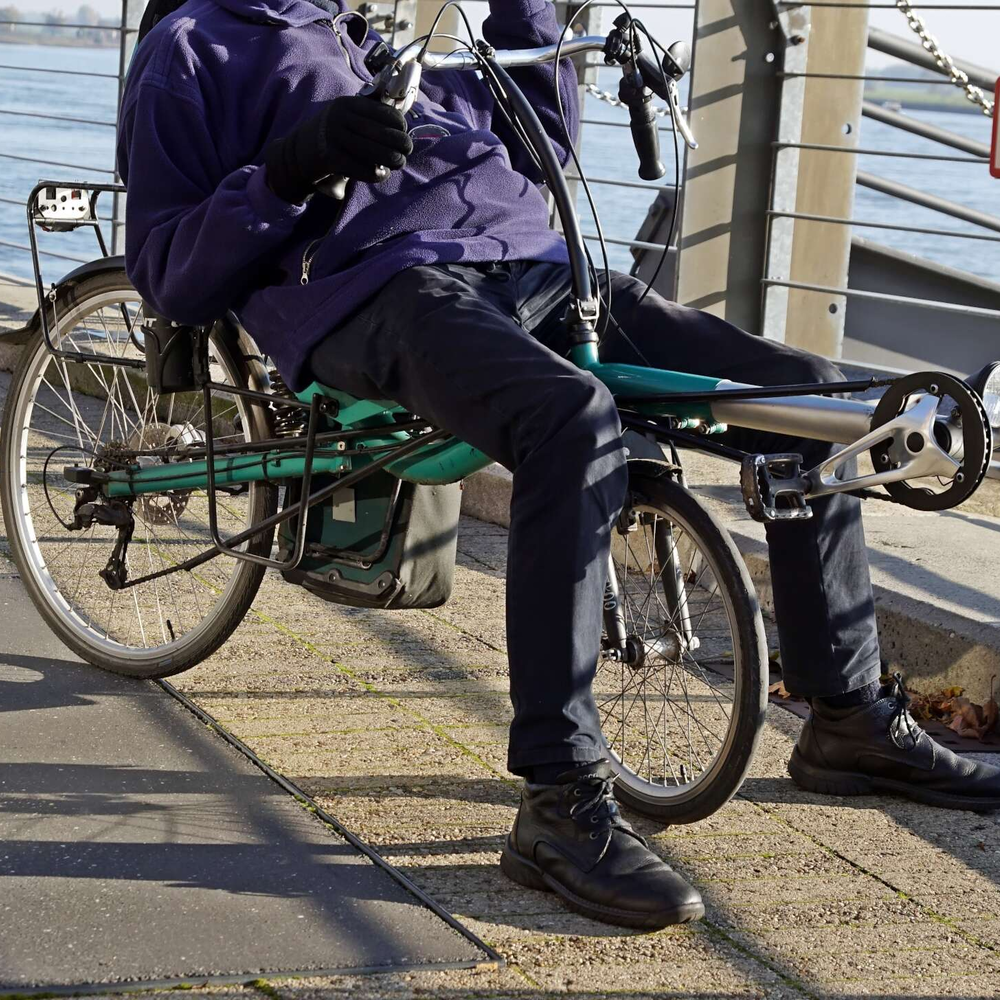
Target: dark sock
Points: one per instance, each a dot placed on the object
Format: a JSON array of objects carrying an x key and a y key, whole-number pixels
[
  {"x": 547, "y": 774},
  {"x": 866, "y": 695}
]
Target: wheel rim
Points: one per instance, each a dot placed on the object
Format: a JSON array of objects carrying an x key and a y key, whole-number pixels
[
  {"x": 669, "y": 718},
  {"x": 81, "y": 407}
]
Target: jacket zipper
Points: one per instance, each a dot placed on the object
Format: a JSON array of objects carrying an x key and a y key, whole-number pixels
[{"x": 310, "y": 252}]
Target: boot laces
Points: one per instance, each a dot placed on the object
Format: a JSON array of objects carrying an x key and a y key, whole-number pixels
[
  {"x": 596, "y": 807},
  {"x": 903, "y": 729}
]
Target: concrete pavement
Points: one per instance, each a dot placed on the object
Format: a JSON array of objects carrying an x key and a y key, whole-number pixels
[
  {"x": 396, "y": 723},
  {"x": 136, "y": 845}
]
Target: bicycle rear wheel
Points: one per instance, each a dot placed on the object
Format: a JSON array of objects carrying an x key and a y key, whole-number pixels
[
  {"x": 62, "y": 413},
  {"x": 681, "y": 713}
]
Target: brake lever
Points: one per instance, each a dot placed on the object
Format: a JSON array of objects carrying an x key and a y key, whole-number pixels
[
  {"x": 394, "y": 85},
  {"x": 675, "y": 66},
  {"x": 680, "y": 122}
]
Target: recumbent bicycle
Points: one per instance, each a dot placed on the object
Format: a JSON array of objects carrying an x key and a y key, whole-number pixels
[{"x": 152, "y": 473}]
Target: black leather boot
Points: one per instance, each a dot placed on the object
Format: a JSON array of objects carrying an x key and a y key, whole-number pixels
[
  {"x": 569, "y": 838},
  {"x": 879, "y": 748}
]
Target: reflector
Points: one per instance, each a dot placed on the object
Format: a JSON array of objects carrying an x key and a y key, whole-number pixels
[{"x": 987, "y": 383}]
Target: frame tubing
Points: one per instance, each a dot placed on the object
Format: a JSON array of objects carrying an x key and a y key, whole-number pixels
[
  {"x": 351, "y": 479},
  {"x": 213, "y": 523},
  {"x": 820, "y": 418}
]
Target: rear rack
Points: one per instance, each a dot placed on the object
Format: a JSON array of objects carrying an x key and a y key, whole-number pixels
[{"x": 62, "y": 206}]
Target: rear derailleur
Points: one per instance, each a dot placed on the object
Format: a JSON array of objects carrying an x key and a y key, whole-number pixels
[{"x": 91, "y": 509}]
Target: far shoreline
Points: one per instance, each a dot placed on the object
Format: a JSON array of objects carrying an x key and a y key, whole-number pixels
[{"x": 51, "y": 40}]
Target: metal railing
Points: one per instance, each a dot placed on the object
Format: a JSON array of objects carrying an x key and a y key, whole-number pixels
[
  {"x": 13, "y": 189},
  {"x": 393, "y": 18},
  {"x": 975, "y": 153},
  {"x": 596, "y": 128}
]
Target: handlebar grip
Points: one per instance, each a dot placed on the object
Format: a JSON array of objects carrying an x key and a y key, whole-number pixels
[{"x": 646, "y": 137}]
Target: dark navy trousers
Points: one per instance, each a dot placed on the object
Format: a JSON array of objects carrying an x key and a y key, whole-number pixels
[{"x": 479, "y": 350}]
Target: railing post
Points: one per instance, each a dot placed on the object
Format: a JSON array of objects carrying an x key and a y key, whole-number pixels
[
  {"x": 411, "y": 19},
  {"x": 795, "y": 25},
  {"x": 131, "y": 16},
  {"x": 734, "y": 102},
  {"x": 831, "y": 115}
]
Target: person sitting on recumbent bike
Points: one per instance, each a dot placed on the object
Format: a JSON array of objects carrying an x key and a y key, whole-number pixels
[{"x": 443, "y": 288}]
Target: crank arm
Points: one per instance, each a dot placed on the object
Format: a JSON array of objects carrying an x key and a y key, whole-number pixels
[{"x": 913, "y": 454}]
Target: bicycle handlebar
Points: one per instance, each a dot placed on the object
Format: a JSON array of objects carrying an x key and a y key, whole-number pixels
[
  {"x": 507, "y": 58},
  {"x": 661, "y": 80}
]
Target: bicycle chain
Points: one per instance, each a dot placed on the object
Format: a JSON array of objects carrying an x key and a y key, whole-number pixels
[{"x": 958, "y": 77}]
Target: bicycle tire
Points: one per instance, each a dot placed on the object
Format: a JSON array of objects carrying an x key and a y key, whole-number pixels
[
  {"x": 652, "y": 487},
  {"x": 237, "y": 355}
]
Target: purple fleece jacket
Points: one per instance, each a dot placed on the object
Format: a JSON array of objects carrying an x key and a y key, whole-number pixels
[{"x": 216, "y": 81}]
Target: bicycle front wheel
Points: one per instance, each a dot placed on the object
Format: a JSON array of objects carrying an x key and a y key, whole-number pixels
[
  {"x": 65, "y": 412},
  {"x": 681, "y": 712}
]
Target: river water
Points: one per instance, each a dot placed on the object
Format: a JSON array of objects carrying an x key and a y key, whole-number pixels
[{"x": 607, "y": 152}]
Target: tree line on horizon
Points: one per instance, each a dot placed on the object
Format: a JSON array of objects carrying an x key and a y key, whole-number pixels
[{"x": 98, "y": 30}]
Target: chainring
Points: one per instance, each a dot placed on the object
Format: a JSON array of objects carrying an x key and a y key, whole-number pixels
[{"x": 977, "y": 436}]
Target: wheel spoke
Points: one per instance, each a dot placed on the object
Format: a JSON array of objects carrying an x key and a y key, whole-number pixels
[
  {"x": 88, "y": 406},
  {"x": 668, "y": 716}
]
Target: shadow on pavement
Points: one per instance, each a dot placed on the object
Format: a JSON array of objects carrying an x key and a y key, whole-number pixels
[{"x": 136, "y": 844}]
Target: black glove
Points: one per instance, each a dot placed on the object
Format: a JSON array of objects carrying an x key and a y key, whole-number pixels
[{"x": 351, "y": 136}]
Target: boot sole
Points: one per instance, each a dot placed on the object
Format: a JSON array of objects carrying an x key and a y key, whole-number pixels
[
  {"x": 524, "y": 872},
  {"x": 824, "y": 781}
]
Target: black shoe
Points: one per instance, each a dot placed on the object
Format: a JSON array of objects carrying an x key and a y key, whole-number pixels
[
  {"x": 879, "y": 748},
  {"x": 569, "y": 838}
]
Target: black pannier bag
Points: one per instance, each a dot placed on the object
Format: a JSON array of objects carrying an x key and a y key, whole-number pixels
[{"x": 383, "y": 544}]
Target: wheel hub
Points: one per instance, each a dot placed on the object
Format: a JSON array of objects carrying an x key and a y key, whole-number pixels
[{"x": 640, "y": 653}]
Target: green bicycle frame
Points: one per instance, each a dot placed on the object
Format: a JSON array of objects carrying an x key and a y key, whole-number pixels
[{"x": 440, "y": 463}]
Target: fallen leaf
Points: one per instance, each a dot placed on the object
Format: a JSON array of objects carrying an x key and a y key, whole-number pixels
[
  {"x": 969, "y": 720},
  {"x": 934, "y": 706},
  {"x": 960, "y": 714},
  {"x": 782, "y": 692}
]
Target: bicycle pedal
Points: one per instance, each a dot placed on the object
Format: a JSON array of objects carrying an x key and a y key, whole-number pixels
[{"x": 766, "y": 479}]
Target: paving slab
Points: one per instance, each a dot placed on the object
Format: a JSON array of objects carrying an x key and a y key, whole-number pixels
[{"x": 136, "y": 845}]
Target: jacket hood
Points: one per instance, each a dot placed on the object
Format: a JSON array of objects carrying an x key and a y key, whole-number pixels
[{"x": 287, "y": 13}]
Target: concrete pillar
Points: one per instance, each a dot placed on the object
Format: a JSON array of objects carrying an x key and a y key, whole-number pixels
[
  {"x": 424, "y": 14},
  {"x": 831, "y": 117}
]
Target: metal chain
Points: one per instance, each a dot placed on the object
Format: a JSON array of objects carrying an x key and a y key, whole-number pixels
[
  {"x": 608, "y": 98},
  {"x": 961, "y": 79}
]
